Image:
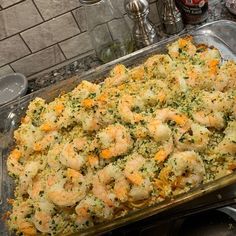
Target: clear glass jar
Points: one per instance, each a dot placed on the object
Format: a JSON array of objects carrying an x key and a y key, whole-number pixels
[{"x": 108, "y": 29}]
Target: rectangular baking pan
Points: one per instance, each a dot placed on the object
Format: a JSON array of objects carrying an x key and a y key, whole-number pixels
[{"x": 220, "y": 34}]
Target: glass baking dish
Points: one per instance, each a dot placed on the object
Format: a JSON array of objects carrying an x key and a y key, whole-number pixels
[{"x": 219, "y": 34}]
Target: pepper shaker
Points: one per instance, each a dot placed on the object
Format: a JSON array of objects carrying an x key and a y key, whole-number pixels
[
  {"x": 143, "y": 31},
  {"x": 171, "y": 17}
]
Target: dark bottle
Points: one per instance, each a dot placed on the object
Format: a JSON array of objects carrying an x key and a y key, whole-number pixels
[{"x": 193, "y": 11}]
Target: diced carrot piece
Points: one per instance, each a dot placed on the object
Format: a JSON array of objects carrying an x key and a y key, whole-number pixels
[
  {"x": 135, "y": 178},
  {"x": 106, "y": 154},
  {"x": 38, "y": 147},
  {"x": 121, "y": 192},
  {"x": 119, "y": 69},
  {"x": 180, "y": 119},
  {"x": 59, "y": 107},
  {"x": 16, "y": 154},
  {"x": 48, "y": 126},
  {"x": 183, "y": 43},
  {"x": 88, "y": 103},
  {"x": 93, "y": 160},
  {"x": 161, "y": 155},
  {"x": 25, "y": 120}
]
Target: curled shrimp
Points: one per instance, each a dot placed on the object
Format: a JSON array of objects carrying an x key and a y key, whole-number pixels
[
  {"x": 196, "y": 138},
  {"x": 159, "y": 65},
  {"x": 13, "y": 164},
  {"x": 217, "y": 101},
  {"x": 71, "y": 154},
  {"x": 210, "y": 119},
  {"x": 188, "y": 169},
  {"x": 29, "y": 172},
  {"x": 67, "y": 191},
  {"x": 115, "y": 140},
  {"x": 118, "y": 76},
  {"x": 91, "y": 207},
  {"x": 182, "y": 48},
  {"x": 167, "y": 114},
  {"x": 45, "y": 219},
  {"x": 228, "y": 144},
  {"x": 141, "y": 186},
  {"x": 21, "y": 218},
  {"x": 106, "y": 193},
  {"x": 158, "y": 130},
  {"x": 225, "y": 80},
  {"x": 125, "y": 106}
]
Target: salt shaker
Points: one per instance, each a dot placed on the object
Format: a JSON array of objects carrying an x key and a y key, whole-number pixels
[
  {"x": 143, "y": 31},
  {"x": 108, "y": 30},
  {"x": 171, "y": 17}
]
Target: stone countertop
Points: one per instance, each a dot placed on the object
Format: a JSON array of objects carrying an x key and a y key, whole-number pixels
[{"x": 217, "y": 11}]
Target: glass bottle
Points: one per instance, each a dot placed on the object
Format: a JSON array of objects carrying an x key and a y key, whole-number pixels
[{"x": 108, "y": 29}]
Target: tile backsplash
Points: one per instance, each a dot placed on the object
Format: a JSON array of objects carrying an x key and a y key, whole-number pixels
[{"x": 38, "y": 34}]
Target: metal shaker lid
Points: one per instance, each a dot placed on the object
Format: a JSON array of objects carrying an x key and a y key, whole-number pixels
[
  {"x": 88, "y": 2},
  {"x": 136, "y": 8}
]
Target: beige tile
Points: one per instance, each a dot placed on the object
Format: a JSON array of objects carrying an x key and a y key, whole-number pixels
[
  {"x": 6, "y": 70},
  {"x": 17, "y": 18},
  {"x": 12, "y": 49},
  {"x": 7, "y": 3},
  {"x": 52, "y": 8},
  {"x": 39, "y": 61},
  {"x": 51, "y": 32},
  {"x": 76, "y": 45},
  {"x": 80, "y": 17}
]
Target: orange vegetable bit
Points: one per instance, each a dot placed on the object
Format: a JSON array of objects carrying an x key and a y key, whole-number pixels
[
  {"x": 106, "y": 154},
  {"x": 88, "y": 103},
  {"x": 161, "y": 155},
  {"x": 135, "y": 178}
]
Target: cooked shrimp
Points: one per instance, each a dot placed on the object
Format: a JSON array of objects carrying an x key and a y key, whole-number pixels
[
  {"x": 141, "y": 186},
  {"x": 125, "y": 106},
  {"x": 21, "y": 219},
  {"x": 91, "y": 207},
  {"x": 67, "y": 191},
  {"x": 71, "y": 155},
  {"x": 188, "y": 169},
  {"x": 196, "y": 138},
  {"x": 167, "y": 114},
  {"x": 29, "y": 172},
  {"x": 36, "y": 188},
  {"x": 13, "y": 164},
  {"x": 43, "y": 216},
  {"x": 159, "y": 131},
  {"x": 228, "y": 144},
  {"x": 159, "y": 65},
  {"x": 217, "y": 101},
  {"x": 90, "y": 120},
  {"x": 225, "y": 79},
  {"x": 106, "y": 193},
  {"x": 114, "y": 140},
  {"x": 210, "y": 119},
  {"x": 85, "y": 89},
  {"x": 182, "y": 49},
  {"x": 118, "y": 76}
]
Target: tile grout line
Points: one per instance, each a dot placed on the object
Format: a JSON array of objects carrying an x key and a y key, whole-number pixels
[
  {"x": 38, "y": 11},
  {"x": 64, "y": 55},
  {"x": 76, "y": 20},
  {"x": 25, "y": 43}
]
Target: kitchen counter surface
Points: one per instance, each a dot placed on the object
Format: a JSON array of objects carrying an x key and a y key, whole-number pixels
[{"x": 217, "y": 11}]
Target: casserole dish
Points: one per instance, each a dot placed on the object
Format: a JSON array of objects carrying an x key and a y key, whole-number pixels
[{"x": 12, "y": 113}]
